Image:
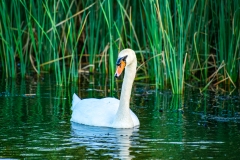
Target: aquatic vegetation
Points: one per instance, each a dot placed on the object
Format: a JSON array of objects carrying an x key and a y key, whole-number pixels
[{"x": 175, "y": 41}]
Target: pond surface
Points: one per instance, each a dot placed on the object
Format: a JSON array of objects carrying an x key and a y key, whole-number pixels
[{"x": 35, "y": 123}]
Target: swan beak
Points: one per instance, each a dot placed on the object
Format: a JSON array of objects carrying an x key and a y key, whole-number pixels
[{"x": 120, "y": 68}]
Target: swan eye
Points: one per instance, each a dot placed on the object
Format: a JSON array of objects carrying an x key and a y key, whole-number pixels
[{"x": 120, "y": 60}]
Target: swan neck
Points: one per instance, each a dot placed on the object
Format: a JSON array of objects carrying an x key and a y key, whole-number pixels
[
  {"x": 130, "y": 72},
  {"x": 123, "y": 118}
]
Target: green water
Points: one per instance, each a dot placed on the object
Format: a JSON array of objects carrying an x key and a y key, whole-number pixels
[{"x": 35, "y": 114}]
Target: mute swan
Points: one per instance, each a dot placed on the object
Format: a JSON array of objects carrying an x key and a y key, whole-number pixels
[{"x": 110, "y": 112}]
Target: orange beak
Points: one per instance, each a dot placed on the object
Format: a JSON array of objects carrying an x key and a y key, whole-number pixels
[{"x": 120, "y": 68}]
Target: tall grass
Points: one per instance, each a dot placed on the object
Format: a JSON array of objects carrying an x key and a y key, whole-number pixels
[
  {"x": 175, "y": 41},
  {"x": 229, "y": 36}
]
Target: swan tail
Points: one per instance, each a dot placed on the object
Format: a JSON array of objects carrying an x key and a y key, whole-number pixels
[{"x": 75, "y": 100}]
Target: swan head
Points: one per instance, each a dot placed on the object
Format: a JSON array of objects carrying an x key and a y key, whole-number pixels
[{"x": 126, "y": 58}]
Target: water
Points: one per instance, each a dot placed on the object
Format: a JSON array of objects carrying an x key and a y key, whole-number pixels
[{"x": 35, "y": 114}]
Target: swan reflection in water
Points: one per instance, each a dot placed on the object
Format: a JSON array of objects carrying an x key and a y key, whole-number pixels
[{"x": 116, "y": 142}]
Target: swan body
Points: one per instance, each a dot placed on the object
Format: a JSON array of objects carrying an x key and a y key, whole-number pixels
[{"x": 110, "y": 112}]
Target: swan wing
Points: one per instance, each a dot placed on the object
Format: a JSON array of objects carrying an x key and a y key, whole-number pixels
[
  {"x": 92, "y": 111},
  {"x": 134, "y": 118}
]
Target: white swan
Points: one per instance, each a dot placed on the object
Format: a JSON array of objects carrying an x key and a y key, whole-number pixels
[{"x": 110, "y": 112}]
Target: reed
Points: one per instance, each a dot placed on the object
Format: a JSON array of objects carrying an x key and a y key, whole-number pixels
[
  {"x": 229, "y": 36},
  {"x": 175, "y": 41}
]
